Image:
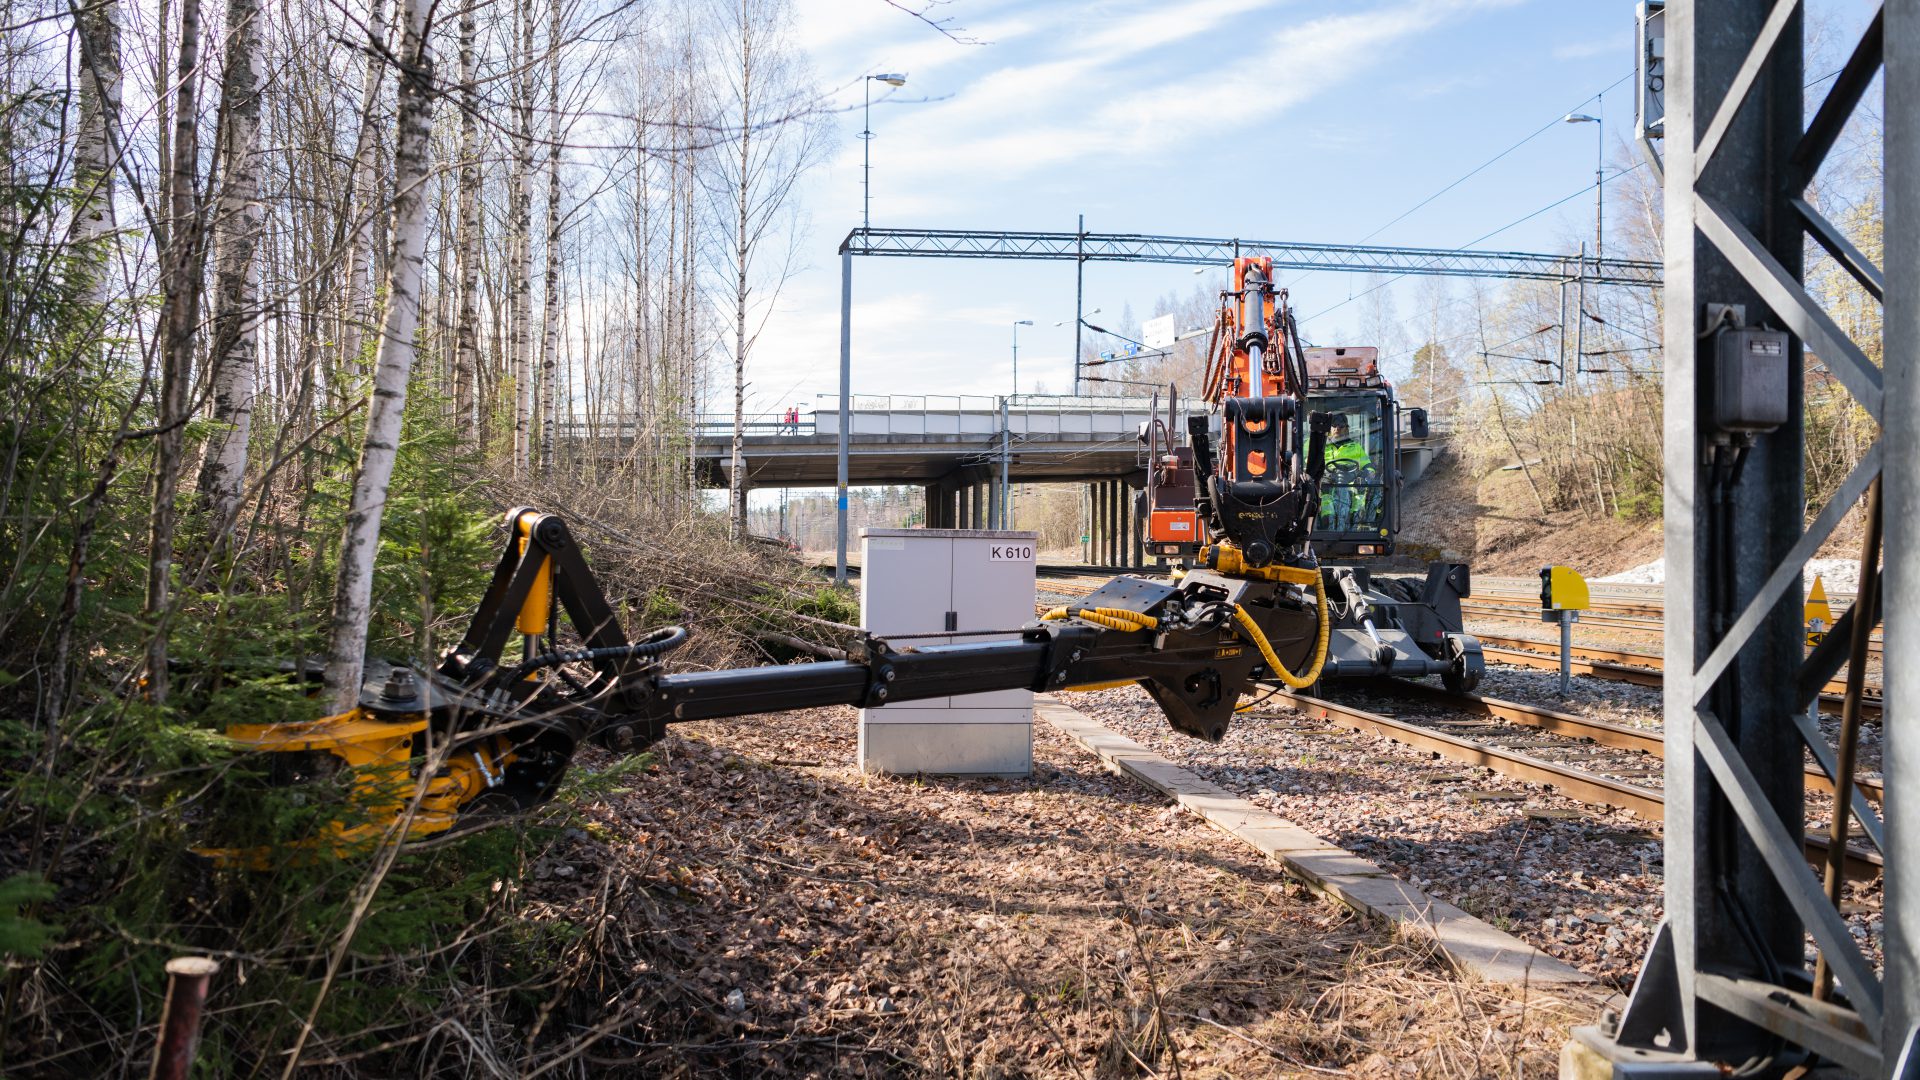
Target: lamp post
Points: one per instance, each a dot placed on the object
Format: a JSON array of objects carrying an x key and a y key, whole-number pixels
[
  {"x": 1599, "y": 203},
  {"x": 866, "y": 136},
  {"x": 1599, "y": 174},
  {"x": 1003, "y": 506},
  {"x": 1017, "y": 324}
]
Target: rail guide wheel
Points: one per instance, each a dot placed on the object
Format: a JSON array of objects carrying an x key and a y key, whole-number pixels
[{"x": 1461, "y": 676}]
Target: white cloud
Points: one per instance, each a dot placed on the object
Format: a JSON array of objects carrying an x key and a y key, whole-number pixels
[
  {"x": 1580, "y": 50},
  {"x": 1086, "y": 106},
  {"x": 1063, "y": 94}
]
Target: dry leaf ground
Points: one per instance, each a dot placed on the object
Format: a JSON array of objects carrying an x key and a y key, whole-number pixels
[{"x": 753, "y": 903}]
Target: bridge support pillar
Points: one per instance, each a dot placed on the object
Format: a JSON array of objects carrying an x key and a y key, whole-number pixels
[
  {"x": 1136, "y": 535},
  {"x": 1110, "y": 508},
  {"x": 1099, "y": 521},
  {"x": 1109, "y": 551},
  {"x": 930, "y": 506},
  {"x": 1103, "y": 498}
]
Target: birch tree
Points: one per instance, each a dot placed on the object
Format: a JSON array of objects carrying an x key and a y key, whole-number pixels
[
  {"x": 466, "y": 362},
  {"x": 180, "y": 311},
  {"x": 520, "y": 238},
  {"x": 361, "y": 195},
  {"x": 550, "y": 323},
  {"x": 360, "y": 542},
  {"x": 93, "y": 147},
  {"x": 751, "y": 181},
  {"x": 237, "y": 222}
]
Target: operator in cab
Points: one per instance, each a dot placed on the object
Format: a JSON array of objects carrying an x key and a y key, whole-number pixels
[{"x": 1346, "y": 489}]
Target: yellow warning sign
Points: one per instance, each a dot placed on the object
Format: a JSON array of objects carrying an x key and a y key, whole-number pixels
[{"x": 1818, "y": 614}]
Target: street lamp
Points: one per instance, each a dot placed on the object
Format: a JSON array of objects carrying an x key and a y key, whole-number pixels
[
  {"x": 866, "y": 136},
  {"x": 1599, "y": 173},
  {"x": 1599, "y": 202},
  {"x": 1017, "y": 324},
  {"x": 1003, "y": 506}
]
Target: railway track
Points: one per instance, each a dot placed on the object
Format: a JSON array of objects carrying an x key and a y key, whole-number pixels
[
  {"x": 1487, "y": 737},
  {"x": 1613, "y": 665},
  {"x": 1621, "y": 665},
  {"x": 1647, "y": 618},
  {"x": 1493, "y": 733}
]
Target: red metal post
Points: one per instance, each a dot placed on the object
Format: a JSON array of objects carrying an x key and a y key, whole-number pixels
[{"x": 180, "y": 1022}]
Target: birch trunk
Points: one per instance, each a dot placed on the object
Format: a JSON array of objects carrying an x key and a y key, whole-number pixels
[
  {"x": 466, "y": 367},
  {"x": 550, "y": 340},
  {"x": 236, "y": 317},
  {"x": 689, "y": 406},
  {"x": 521, "y": 275},
  {"x": 359, "y": 203},
  {"x": 742, "y": 248},
  {"x": 179, "y": 318},
  {"x": 98, "y": 134},
  {"x": 93, "y": 146},
  {"x": 360, "y": 543}
]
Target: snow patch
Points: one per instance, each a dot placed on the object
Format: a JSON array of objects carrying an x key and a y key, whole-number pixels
[{"x": 1839, "y": 575}]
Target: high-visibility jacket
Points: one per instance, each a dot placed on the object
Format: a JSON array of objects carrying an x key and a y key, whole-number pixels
[
  {"x": 1350, "y": 504},
  {"x": 1349, "y": 450}
]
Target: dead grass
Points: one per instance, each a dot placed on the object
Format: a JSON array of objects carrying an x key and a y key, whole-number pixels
[
  {"x": 1492, "y": 523},
  {"x": 1071, "y": 925}
]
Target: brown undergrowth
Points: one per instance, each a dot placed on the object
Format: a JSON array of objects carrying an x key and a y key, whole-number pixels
[{"x": 754, "y": 904}]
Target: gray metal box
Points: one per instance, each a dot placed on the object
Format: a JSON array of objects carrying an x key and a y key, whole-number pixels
[
  {"x": 1750, "y": 379},
  {"x": 941, "y": 582}
]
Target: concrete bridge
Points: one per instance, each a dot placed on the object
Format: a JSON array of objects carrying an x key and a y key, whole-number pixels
[{"x": 953, "y": 447}]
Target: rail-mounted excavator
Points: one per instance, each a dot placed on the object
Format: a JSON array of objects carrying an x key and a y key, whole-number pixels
[
  {"x": 1383, "y": 625},
  {"x": 483, "y": 736}
]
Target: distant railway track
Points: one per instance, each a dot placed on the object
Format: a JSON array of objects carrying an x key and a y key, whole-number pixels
[
  {"x": 1646, "y": 625},
  {"x": 1621, "y": 665},
  {"x": 1579, "y": 784}
]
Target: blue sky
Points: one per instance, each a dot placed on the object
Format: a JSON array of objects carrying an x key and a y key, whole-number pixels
[{"x": 1268, "y": 119}]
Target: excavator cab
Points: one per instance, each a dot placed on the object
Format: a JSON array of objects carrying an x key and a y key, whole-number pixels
[
  {"x": 1355, "y": 491},
  {"x": 1360, "y": 491},
  {"x": 1385, "y": 624}
]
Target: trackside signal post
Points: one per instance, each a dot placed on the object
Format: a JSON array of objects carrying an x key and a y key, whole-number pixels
[{"x": 1563, "y": 596}]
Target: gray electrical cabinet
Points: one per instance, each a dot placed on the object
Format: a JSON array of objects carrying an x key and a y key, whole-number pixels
[{"x": 943, "y": 582}]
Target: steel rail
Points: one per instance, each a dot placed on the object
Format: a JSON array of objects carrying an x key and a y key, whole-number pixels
[
  {"x": 1515, "y": 612},
  {"x": 1648, "y": 617},
  {"x": 1614, "y": 672},
  {"x": 1616, "y": 658},
  {"x": 1585, "y": 787},
  {"x": 1618, "y": 736},
  {"x": 1605, "y": 607},
  {"x": 1581, "y": 786}
]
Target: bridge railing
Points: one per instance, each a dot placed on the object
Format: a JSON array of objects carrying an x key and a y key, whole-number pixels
[
  {"x": 1035, "y": 415},
  {"x": 720, "y": 425},
  {"x": 900, "y": 414}
]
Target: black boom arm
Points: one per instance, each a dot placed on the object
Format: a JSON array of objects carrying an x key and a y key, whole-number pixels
[{"x": 494, "y": 736}]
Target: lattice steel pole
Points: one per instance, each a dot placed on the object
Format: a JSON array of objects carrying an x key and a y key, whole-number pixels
[
  {"x": 1726, "y": 981},
  {"x": 1901, "y": 490}
]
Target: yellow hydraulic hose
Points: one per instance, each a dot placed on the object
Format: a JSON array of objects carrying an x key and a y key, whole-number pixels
[
  {"x": 1111, "y": 618},
  {"x": 1252, "y": 632}
]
